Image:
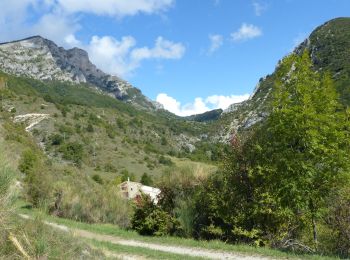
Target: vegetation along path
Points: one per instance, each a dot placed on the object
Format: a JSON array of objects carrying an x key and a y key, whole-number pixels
[{"x": 195, "y": 252}]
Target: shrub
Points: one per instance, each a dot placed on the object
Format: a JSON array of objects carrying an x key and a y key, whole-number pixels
[
  {"x": 164, "y": 160},
  {"x": 110, "y": 167},
  {"x": 127, "y": 175},
  {"x": 72, "y": 151},
  {"x": 97, "y": 178},
  {"x": 56, "y": 139},
  {"x": 110, "y": 131},
  {"x": 338, "y": 220},
  {"x": 37, "y": 183},
  {"x": 28, "y": 161},
  {"x": 163, "y": 141},
  {"x": 146, "y": 180},
  {"x": 150, "y": 220}
]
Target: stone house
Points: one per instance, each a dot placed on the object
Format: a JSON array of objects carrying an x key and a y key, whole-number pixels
[{"x": 133, "y": 190}]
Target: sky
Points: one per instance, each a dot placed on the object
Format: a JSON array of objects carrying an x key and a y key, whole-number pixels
[{"x": 190, "y": 55}]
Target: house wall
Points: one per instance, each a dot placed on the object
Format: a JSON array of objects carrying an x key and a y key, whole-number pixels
[{"x": 132, "y": 190}]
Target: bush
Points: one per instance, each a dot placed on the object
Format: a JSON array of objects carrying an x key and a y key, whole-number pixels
[
  {"x": 338, "y": 220},
  {"x": 72, "y": 151},
  {"x": 127, "y": 175},
  {"x": 97, "y": 178},
  {"x": 164, "y": 160},
  {"x": 150, "y": 220},
  {"x": 28, "y": 161},
  {"x": 163, "y": 141},
  {"x": 146, "y": 180},
  {"x": 56, "y": 139},
  {"x": 110, "y": 167},
  {"x": 110, "y": 131}
]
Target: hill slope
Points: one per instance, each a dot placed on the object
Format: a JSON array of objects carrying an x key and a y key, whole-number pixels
[{"x": 329, "y": 47}]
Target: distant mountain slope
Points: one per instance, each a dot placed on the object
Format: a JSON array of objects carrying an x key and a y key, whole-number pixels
[
  {"x": 329, "y": 46},
  {"x": 211, "y": 115},
  {"x": 42, "y": 59}
]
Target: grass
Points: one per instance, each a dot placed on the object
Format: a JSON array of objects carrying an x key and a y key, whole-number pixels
[
  {"x": 108, "y": 229},
  {"x": 31, "y": 239}
]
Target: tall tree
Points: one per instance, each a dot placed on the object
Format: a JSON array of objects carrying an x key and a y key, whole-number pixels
[
  {"x": 307, "y": 141},
  {"x": 276, "y": 179}
]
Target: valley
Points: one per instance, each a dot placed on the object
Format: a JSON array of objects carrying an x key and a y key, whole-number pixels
[{"x": 254, "y": 181}]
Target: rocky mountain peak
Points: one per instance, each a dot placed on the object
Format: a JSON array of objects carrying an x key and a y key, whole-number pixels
[{"x": 42, "y": 59}]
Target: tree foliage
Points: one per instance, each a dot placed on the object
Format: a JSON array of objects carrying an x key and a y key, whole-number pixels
[
  {"x": 277, "y": 178},
  {"x": 150, "y": 219}
]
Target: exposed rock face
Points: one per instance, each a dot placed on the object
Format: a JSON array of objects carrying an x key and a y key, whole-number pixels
[
  {"x": 42, "y": 59},
  {"x": 30, "y": 119}
]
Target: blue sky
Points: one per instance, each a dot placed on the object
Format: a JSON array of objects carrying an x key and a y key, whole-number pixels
[{"x": 190, "y": 55}]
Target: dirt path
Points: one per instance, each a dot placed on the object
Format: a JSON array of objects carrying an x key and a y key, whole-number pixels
[{"x": 190, "y": 251}]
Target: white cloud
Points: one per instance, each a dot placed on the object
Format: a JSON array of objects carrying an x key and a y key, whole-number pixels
[
  {"x": 122, "y": 58},
  {"x": 13, "y": 15},
  {"x": 57, "y": 27},
  {"x": 59, "y": 20},
  {"x": 163, "y": 49},
  {"x": 199, "y": 105},
  {"x": 259, "y": 8},
  {"x": 246, "y": 32},
  {"x": 216, "y": 41},
  {"x": 111, "y": 55},
  {"x": 117, "y": 8},
  {"x": 71, "y": 40},
  {"x": 223, "y": 102}
]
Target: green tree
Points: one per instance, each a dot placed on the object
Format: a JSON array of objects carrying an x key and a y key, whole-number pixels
[
  {"x": 29, "y": 160},
  {"x": 277, "y": 177},
  {"x": 146, "y": 179},
  {"x": 126, "y": 175},
  {"x": 56, "y": 139},
  {"x": 72, "y": 151},
  {"x": 306, "y": 139}
]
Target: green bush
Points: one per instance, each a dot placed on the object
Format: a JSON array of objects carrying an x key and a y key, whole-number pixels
[
  {"x": 150, "y": 220},
  {"x": 146, "y": 179},
  {"x": 126, "y": 175},
  {"x": 56, "y": 139},
  {"x": 97, "y": 178},
  {"x": 338, "y": 220},
  {"x": 164, "y": 160},
  {"x": 29, "y": 160},
  {"x": 110, "y": 167},
  {"x": 72, "y": 151}
]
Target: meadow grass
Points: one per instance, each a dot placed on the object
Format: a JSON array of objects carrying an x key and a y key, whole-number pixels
[{"x": 108, "y": 229}]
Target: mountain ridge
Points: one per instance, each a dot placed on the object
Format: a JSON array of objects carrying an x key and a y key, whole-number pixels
[
  {"x": 42, "y": 59},
  {"x": 329, "y": 47}
]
